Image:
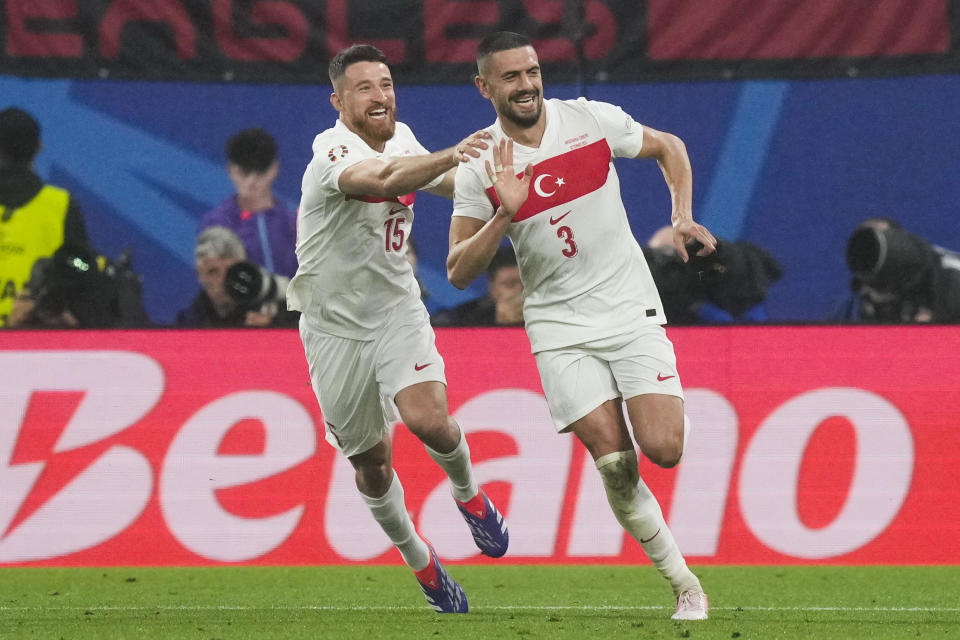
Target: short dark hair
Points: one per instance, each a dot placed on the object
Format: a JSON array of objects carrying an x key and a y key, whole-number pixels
[
  {"x": 19, "y": 135},
  {"x": 353, "y": 54},
  {"x": 252, "y": 149},
  {"x": 504, "y": 257},
  {"x": 499, "y": 41}
]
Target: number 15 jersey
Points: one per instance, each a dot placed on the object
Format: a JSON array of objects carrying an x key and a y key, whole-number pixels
[
  {"x": 584, "y": 275},
  {"x": 352, "y": 248}
]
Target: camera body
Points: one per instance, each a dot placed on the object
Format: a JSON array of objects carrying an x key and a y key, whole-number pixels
[
  {"x": 900, "y": 277},
  {"x": 734, "y": 279},
  {"x": 93, "y": 290}
]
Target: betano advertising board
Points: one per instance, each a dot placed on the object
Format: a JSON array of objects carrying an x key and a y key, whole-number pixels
[{"x": 810, "y": 445}]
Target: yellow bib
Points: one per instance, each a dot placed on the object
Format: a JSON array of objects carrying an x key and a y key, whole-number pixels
[{"x": 35, "y": 230}]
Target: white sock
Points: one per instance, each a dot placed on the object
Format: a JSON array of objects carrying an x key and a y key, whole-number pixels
[
  {"x": 391, "y": 514},
  {"x": 458, "y": 468},
  {"x": 638, "y": 512}
]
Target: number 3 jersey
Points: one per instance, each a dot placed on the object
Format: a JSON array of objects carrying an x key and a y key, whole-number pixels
[
  {"x": 353, "y": 272},
  {"x": 584, "y": 275}
]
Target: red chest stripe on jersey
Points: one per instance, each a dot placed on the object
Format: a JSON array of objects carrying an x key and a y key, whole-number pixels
[
  {"x": 563, "y": 178},
  {"x": 406, "y": 200}
]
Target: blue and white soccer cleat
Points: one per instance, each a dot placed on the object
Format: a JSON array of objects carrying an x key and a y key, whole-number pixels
[
  {"x": 486, "y": 524},
  {"x": 442, "y": 592}
]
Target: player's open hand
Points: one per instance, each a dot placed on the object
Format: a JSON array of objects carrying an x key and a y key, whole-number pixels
[
  {"x": 471, "y": 146},
  {"x": 687, "y": 230},
  {"x": 511, "y": 188}
]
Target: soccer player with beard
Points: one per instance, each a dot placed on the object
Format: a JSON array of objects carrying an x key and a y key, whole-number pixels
[
  {"x": 365, "y": 332},
  {"x": 591, "y": 309}
]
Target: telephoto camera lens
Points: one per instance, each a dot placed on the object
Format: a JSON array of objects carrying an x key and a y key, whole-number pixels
[
  {"x": 889, "y": 259},
  {"x": 250, "y": 284}
]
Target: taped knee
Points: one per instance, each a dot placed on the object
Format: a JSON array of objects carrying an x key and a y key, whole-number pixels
[{"x": 631, "y": 501}]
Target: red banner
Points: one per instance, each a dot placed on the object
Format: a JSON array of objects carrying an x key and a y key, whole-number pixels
[
  {"x": 430, "y": 41},
  {"x": 809, "y": 445},
  {"x": 784, "y": 29}
]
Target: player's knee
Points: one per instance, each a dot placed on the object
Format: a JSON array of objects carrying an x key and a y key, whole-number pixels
[
  {"x": 374, "y": 475},
  {"x": 374, "y": 481},
  {"x": 666, "y": 450},
  {"x": 428, "y": 423},
  {"x": 665, "y": 455},
  {"x": 620, "y": 475}
]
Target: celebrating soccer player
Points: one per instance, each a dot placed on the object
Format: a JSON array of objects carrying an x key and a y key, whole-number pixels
[
  {"x": 591, "y": 309},
  {"x": 365, "y": 332}
]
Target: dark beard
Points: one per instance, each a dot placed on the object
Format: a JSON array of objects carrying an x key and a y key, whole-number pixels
[{"x": 523, "y": 121}]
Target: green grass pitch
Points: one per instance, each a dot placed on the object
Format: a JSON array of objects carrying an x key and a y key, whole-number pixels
[{"x": 511, "y": 601}]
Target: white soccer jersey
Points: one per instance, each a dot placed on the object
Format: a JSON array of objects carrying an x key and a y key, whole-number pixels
[
  {"x": 584, "y": 275},
  {"x": 351, "y": 249}
]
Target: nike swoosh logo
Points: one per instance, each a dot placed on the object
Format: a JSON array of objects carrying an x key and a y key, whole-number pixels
[
  {"x": 642, "y": 541},
  {"x": 558, "y": 219},
  {"x": 661, "y": 377},
  {"x": 421, "y": 367},
  {"x": 397, "y": 210}
]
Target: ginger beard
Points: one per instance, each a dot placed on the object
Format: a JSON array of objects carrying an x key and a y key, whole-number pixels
[{"x": 377, "y": 123}]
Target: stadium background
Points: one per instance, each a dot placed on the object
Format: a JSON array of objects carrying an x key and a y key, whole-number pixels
[
  {"x": 801, "y": 118},
  {"x": 800, "y": 121}
]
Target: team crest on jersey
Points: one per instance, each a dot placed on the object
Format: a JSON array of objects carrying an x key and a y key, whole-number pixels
[{"x": 337, "y": 152}]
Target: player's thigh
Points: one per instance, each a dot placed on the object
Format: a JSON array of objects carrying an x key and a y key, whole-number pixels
[
  {"x": 603, "y": 430},
  {"x": 645, "y": 367},
  {"x": 343, "y": 379},
  {"x": 643, "y": 363},
  {"x": 575, "y": 383},
  {"x": 412, "y": 379},
  {"x": 656, "y": 418},
  {"x": 407, "y": 358}
]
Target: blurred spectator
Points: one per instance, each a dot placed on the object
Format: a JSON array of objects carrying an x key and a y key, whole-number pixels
[
  {"x": 898, "y": 277},
  {"x": 234, "y": 291},
  {"x": 501, "y": 306},
  {"x": 35, "y": 218},
  {"x": 729, "y": 285},
  {"x": 267, "y": 229},
  {"x": 413, "y": 257}
]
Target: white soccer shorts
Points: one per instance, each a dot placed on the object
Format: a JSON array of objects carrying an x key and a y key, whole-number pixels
[
  {"x": 578, "y": 379},
  {"x": 356, "y": 381}
]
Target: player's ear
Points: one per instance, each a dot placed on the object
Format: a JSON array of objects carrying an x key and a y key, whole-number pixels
[
  {"x": 481, "y": 85},
  {"x": 335, "y": 101}
]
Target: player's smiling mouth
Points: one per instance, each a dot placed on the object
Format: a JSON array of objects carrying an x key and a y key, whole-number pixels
[{"x": 525, "y": 99}]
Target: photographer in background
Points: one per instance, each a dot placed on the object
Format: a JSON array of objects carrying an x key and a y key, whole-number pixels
[
  {"x": 76, "y": 288},
  {"x": 727, "y": 286},
  {"x": 35, "y": 218},
  {"x": 234, "y": 291},
  {"x": 899, "y": 277}
]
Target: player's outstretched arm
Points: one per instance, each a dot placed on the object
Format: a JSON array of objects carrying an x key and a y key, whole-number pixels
[
  {"x": 473, "y": 242},
  {"x": 671, "y": 154},
  {"x": 392, "y": 177}
]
